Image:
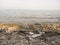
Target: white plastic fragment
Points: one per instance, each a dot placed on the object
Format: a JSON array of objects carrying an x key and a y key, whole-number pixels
[
  {"x": 31, "y": 33},
  {"x": 36, "y": 35}
]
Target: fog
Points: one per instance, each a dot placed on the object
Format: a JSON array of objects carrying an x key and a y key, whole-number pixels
[
  {"x": 30, "y": 4},
  {"x": 29, "y": 16}
]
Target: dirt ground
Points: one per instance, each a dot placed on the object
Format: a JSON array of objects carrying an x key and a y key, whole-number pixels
[
  {"x": 29, "y": 38},
  {"x": 35, "y": 34}
]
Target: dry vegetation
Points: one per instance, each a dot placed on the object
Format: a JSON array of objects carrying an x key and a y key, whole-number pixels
[
  {"x": 15, "y": 27},
  {"x": 10, "y": 27}
]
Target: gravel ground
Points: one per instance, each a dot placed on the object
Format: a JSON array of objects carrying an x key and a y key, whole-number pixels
[{"x": 29, "y": 38}]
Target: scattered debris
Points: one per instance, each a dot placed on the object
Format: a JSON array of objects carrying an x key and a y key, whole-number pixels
[{"x": 28, "y": 36}]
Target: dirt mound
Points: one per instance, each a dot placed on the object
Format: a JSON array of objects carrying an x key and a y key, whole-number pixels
[{"x": 30, "y": 34}]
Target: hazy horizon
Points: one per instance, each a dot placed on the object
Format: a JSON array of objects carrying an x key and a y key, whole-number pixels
[
  {"x": 29, "y": 13},
  {"x": 29, "y": 16},
  {"x": 12, "y": 10}
]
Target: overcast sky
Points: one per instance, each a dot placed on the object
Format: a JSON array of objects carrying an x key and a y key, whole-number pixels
[{"x": 30, "y": 4}]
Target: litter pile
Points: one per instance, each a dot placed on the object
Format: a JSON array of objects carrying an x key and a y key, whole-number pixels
[{"x": 31, "y": 34}]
